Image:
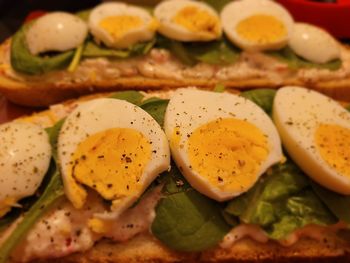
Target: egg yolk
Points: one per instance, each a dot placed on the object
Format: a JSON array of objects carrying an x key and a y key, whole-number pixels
[
  {"x": 333, "y": 143},
  {"x": 112, "y": 162},
  {"x": 118, "y": 26},
  {"x": 197, "y": 20},
  {"x": 228, "y": 153},
  {"x": 261, "y": 29}
]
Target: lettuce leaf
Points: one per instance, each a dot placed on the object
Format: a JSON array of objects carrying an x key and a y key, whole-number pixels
[
  {"x": 23, "y": 61},
  {"x": 53, "y": 191},
  {"x": 185, "y": 219},
  {"x": 281, "y": 202},
  {"x": 286, "y": 55}
]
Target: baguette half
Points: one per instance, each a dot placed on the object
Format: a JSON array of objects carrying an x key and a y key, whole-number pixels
[
  {"x": 327, "y": 247},
  {"x": 38, "y": 92}
]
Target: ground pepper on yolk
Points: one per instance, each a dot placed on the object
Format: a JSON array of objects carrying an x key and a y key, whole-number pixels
[
  {"x": 228, "y": 153},
  {"x": 197, "y": 20},
  {"x": 333, "y": 144},
  {"x": 112, "y": 162}
]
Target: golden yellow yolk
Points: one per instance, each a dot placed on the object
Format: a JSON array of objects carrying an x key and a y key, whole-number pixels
[
  {"x": 118, "y": 26},
  {"x": 228, "y": 153},
  {"x": 197, "y": 20},
  {"x": 333, "y": 143},
  {"x": 261, "y": 29},
  {"x": 112, "y": 162}
]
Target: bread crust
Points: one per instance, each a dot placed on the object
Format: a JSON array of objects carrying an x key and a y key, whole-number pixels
[
  {"x": 146, "y": 249},
  {"x": 37, "y": 94}
]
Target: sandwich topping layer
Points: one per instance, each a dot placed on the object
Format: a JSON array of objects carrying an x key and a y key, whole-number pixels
[
  {"x": 161, "y": 64},
  {"x": 283, "y": 205},
  {"x": 179, "y": 40}
]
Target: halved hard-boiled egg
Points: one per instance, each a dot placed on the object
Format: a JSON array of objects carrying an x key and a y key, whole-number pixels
[
  {"x": 25, "y": 155},
  {"x": 257, "y": 24},
  {"x": 221, "y": 142},
  {"x": 313, "y": 43},
  {"x": 188, "y": 20},
  {"x": 315, "y": 131},
  {"x": 119, "y": 25},
  {"x": 114, "y": 148},
  {"x": 57, "y": 31}
]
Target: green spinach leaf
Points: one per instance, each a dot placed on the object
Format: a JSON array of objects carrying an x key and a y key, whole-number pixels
[
  {"x": 219, "y": 88},
  {"x": 262, "y": 97},
  {"x": 214, "y": 52},
  {"x": 91, "y": 49},
  {"x": 84, "y": 14},
  {"x": 219, "y": 52},
  {"x": 156, "y": 108},
  {"x": 217, "y": 4},
  {"x": 131, "y": 96},
  {"x": 23, "y": 61},
  {"x": 337, "y": 203},
  {"x": 76, "y": 58},
  {"x": 287, "y": 55},
  {"x": 177, "y": 49},
  {"x": 348, "y": 107},
  {"x": 185, "y": 219},
  {"x": 52, "y": 193},
  {"x": 8, "y": 219}
]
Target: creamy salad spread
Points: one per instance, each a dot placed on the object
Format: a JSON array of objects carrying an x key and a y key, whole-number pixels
[{"x": 160, "y": 64}]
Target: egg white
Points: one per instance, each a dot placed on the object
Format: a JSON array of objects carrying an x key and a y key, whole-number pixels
[
  {"x": 165, "y": 12},
  {"x": 140, "y": 34},
  {"x": 101, "y": 114},
  {"x": 239, "y": 10},
  {"x": 56, "y": 31},
  {"x": 313, "y": 43},
  {"x": 189, "y": 109},
  {"x": 297, "y": 112},
  {"x": 25, "y": 155}
]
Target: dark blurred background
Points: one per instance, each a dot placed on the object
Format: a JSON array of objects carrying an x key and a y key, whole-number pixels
[{"x": 13, "y": 12}]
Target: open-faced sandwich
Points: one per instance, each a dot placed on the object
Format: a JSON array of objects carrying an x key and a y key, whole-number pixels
[
  {"x": 181, "y": 176},
  {"x": 114, "y": 46}
]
